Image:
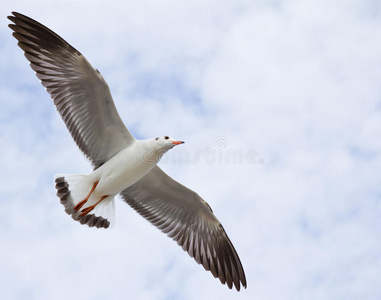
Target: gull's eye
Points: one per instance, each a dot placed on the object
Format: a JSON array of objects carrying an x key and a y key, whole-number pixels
[{"x": 166, "y": 137}]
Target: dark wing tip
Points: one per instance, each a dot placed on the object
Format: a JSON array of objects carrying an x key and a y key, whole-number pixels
[
  {"x": 16, "y": 16},
  {"x": 12, "y": 19},
  {"x": 14, "y": 13}
]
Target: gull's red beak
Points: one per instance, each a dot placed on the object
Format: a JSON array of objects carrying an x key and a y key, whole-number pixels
[{"x": 177, "y": 142}]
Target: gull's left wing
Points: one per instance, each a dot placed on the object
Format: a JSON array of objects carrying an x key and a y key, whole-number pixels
[{"x": 185, "y": 217}]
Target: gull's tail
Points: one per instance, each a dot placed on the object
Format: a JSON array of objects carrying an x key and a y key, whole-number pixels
[{"x": 72, "y": 189}]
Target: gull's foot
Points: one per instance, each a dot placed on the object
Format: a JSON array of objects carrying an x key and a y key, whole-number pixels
[
  {"x": 80, "y": 204},
  {"x": 86, "y": 210}
]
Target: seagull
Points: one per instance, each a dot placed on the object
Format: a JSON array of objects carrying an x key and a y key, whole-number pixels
[{"x": 122, "y": 164}]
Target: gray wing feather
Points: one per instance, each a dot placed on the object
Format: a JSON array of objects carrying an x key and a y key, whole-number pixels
[
  {"x": 185, "y": 217},
  {"x": 80, "y": 93}
]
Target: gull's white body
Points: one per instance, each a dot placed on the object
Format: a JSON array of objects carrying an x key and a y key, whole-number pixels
[
  {"x": 120, "y": 172},
  {"x": 122, "y": 164},
  {"x": 124, "y": 169}
]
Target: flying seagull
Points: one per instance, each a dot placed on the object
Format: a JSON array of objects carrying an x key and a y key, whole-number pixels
[{"x": 122, "y": 164}]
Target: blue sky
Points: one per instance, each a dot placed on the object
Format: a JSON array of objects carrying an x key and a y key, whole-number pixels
[{"x": 296, "y": 82}]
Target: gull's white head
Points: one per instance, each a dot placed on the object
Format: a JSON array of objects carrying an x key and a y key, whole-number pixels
[{"x": 166, "y": 142}]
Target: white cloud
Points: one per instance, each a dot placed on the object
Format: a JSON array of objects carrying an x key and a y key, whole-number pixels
[{"x": 296, "y": 81}]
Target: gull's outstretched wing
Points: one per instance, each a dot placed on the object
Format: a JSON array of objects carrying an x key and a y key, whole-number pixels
[
  {"x": 79, "y": 92},
  {"x": 188, "y": 219}
]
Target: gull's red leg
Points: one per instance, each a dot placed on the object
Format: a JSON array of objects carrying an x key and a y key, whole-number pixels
[
  {"x": 80, "y": 204},
  {"x": 90, "y": 208}
]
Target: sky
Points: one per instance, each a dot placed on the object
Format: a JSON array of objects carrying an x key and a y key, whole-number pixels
[{"x": 279, "y": 105}]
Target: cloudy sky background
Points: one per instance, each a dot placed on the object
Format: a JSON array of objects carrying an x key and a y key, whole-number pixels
[{"x": 291, "y": 88}]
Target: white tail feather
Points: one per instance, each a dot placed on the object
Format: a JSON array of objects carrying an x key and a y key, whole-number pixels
[{"x": 72, "y": 189}]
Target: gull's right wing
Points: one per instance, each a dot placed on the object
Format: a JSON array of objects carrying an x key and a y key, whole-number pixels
[{"x": 79, "y": 92}]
